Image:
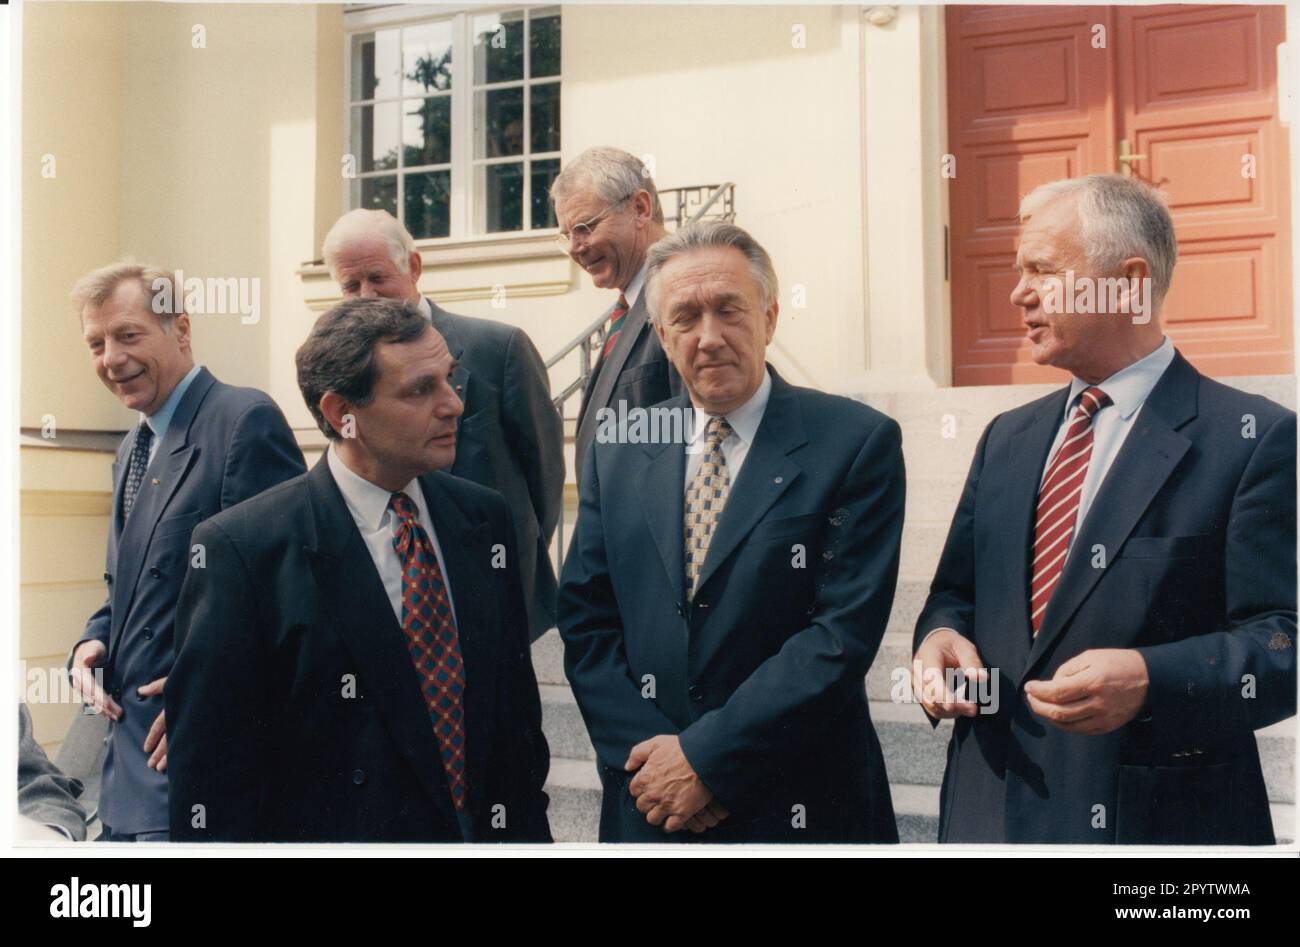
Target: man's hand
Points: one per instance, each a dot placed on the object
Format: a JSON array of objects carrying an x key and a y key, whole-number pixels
[
  {"x": 941, "y": 652},
  {"x": 1093, "y": 693},
  {"x": 155, "y": 742},
  {"x": 667, "y": 790},
  {"x": 88, "y": 656}
]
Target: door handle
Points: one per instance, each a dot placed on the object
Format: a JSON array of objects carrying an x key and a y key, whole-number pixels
[{"x": 1126, "y": 158}]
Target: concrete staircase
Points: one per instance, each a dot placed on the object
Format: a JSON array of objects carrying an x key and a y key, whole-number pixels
[{"x": 940, "y": 431}]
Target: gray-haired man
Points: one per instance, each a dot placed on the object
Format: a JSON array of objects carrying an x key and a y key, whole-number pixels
[
  {"x": 609, "y": 215},
  {"x": 723, "y": 597}
]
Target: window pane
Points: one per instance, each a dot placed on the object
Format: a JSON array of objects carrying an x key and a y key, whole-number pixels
[
  {"x": 502, "y": 190},
  {"x": 374, "y": 136},
  {"x": 426, "y": 131},
  {"x": 544, "y": 172},
  {"x": 375, "y": 62},
  {"x": 428, "y": 203},
  {"x": 426, "y": 58},
  {"x": 544, "y": 40},
  {"x": 499, "y": 123},
  {"x": 498, "y": 47},
  {"x": 376, "y": 193},
  {"x": 545, "y": 116}
]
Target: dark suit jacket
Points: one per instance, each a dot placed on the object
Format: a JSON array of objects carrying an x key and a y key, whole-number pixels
[
  {"x": 762, "y": 675},
  {"x": 288, "y": 616},
  {"x": 1197, "y": 526},
  {"x": 224, "y": 445},
  {"x": 510, "y": 439},
  {"x": 637, "y": 371}
]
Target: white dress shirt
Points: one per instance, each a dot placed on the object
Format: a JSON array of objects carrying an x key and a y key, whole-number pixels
[
  {"x": 161, "y": 419},
  {"x": 368, "y": 504},
  {"x": 426, "y": 310},
  {"x": 744, "y": 423},
  {"x": 1128, "y": 389},
  {"x": 633, "y": 291}
]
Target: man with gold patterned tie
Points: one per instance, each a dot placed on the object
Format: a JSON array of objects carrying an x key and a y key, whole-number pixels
[
  {"x": 609, "y": 215},
  {"x": 353, "y": 649},
  {"x": 724, "y": 595}
]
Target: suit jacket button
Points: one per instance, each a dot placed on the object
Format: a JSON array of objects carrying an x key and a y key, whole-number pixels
[
  {"x": 696, "y": 693},
  {"x": 154, "y": 571},
  {"x": 681, "y": 611},
  {"x": 108, "y": 578},
  {"x": 148, "y": 634},
  {"x": 358, "y": 777}
]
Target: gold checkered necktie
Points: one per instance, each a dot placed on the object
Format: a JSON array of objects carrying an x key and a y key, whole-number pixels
[{"x": 705, "y": 498}]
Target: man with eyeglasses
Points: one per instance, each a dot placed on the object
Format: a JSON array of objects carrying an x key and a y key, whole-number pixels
[{"x": 609, "y": 216}]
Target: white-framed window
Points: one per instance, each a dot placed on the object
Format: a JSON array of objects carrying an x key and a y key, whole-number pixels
[{"x": 453, "y": 118}]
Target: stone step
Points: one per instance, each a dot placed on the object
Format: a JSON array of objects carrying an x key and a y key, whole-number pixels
[
  {"x": 574, "y": 811},
  {"x": 915, "y": 753}
]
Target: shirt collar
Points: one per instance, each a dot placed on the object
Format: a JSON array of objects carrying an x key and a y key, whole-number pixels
[
  {"x": 745, "y": 419},
  {"x": 633, "y": 291},
  {"x": 426, "y": 309},
  {"x": 1129, "y": 387},
  {"x": 367, "y": 502},
  {"x": 161, "y": 419}
]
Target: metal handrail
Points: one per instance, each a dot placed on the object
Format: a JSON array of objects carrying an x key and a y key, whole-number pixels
[{"x": 592, "y": 338}]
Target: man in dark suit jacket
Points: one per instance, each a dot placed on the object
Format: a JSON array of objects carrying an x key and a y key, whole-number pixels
[
  {"x": 354, "y": 661},
  {"x": 201, "y": 446},
  {"x": 718, "y": 658},
  {"x": 511, "y": 438},
  {"x": 1123, "y": 558},
  {"x": 609, "y": 215}
]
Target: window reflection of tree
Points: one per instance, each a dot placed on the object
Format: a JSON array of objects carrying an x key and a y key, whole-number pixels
[{"x": 433, "y": 74}]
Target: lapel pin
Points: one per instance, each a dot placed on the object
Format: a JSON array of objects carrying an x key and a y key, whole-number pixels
[
  {"x": 778, "y": 479},
  {"x": 155, "y": 481}
]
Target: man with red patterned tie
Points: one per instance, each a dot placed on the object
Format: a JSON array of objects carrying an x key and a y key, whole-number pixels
[
  {"x": 1122, "y": 557},
  {"x": 353, "y": 646},
  {"x": 609, "y": 215}
]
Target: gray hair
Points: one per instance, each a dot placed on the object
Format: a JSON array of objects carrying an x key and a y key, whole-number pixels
[
  {"x": 1119, "y": 217},
  {"x": 364, "y": 225},
  {"x": 698, "y": 236},
  {"x": 339, "y": 354},
  {"x": 95, "y": 287},
  {"x": 612, "y": 173}
]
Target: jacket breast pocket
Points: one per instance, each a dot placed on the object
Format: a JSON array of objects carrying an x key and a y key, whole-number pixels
[
  {"x": 633, "y": 376},
  {"x": 805, "y": 527},
  {"x": 181, "y": 523},
  {"x": 1163, "y": 547}
]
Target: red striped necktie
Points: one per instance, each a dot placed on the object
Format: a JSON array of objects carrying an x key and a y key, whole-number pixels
[
  {"x": 1058, "y": 503},
  {"x": 616, "y": 320}
]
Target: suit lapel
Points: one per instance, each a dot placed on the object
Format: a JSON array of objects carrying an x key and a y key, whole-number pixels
[
  {"x": 171, "y": 463},
  {"x": 353, "y": 601},
  {"x": 1151, "y": 452},
  {"x": 1027, "y": 448},
  {"x": 456, "y": 346},
  {"x": 464, "y": 546},
  {"x": 663, "y": 502},
  {"x": 767, "y": 473}
]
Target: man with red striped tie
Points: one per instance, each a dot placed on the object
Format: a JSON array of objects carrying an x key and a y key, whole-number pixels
[
  {"x": 609, "y": 215},
  {"x": 1122, "y": 558}
]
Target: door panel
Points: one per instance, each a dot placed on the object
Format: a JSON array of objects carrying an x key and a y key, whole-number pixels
[{"x": 1033, "y": 97}]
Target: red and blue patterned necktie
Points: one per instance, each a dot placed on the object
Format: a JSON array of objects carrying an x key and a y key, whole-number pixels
[
  {"x": 616, "y": 320},
  {"x": 432, "y": 640}
]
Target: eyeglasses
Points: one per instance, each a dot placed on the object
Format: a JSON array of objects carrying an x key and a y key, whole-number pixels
[{"x": 582, "y": 232}]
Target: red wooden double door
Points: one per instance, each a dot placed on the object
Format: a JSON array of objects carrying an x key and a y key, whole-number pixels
[{"x": 1184, "y": 97}]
